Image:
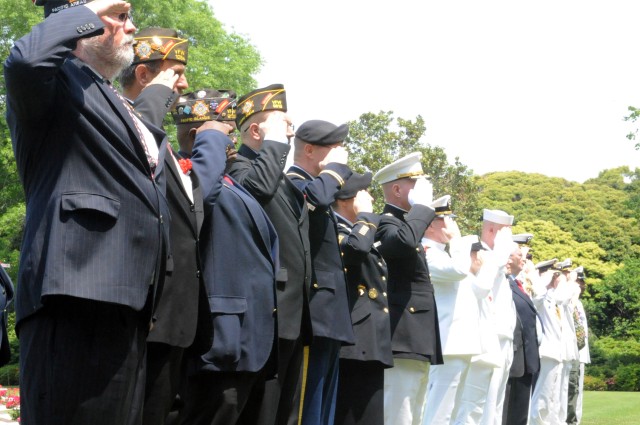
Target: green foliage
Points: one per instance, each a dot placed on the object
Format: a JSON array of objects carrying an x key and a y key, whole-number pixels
[
  {"x": 376, "y": 140},
  {"x": 614, "y": 306},
  {"x": 594, "y": 383},
  {"x": 590, "y": 212},
  {"x": 217, "y": 59}
]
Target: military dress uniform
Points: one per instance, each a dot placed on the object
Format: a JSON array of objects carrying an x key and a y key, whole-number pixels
[
  {"x": 415, "y": 336},
  {"x": 328, "y": 303},
  {"x": 261, "y": 173},
  {"x": 362, "y": 365}
]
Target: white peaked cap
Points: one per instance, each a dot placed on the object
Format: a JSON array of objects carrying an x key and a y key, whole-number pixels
[
  {"x": 497, "y": 216},
  {"x": 406, "y": 167}
]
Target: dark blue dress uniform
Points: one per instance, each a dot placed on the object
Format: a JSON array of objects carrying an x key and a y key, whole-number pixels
[
  {"x": 328, "y": 301},
  {"x": 261, "y": 173},
  {"x": 361, "y": 375},
  {"x": 415, "y": 332}
]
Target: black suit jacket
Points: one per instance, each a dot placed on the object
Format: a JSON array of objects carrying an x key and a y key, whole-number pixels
[
  {"x": 367, "y": 287},
  {"x": 6, "y": 296},
  {"x": 183, "y": 305},
  {"x": 328, "y": 300},
  {"x": 415, "y": 332},
  {"x": 529, "y": 355},
  {"x": 239, "y": 249},
  {"x": 261, "y": 174},
  {"x": 96, "y": 215}
]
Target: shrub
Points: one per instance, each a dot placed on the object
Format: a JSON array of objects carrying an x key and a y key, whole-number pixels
[{"x": 594, "y": 383}]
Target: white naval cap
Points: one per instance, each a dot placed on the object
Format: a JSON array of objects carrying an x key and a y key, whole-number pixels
[
  {"x": 406, "y": 167},
  {"x": 497, "y": 216}
]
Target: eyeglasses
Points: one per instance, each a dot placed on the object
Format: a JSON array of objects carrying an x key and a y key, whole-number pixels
[{"x": 124, "y": 16}]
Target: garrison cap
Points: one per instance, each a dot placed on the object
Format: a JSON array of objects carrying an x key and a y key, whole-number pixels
[
  {"x": 497, "y": 216},
  {"x": 353, "y": 185},
  {"x": 442, "y": 206},
  {"x": 406, "y": 167},
  {"x": 155, "y": 43},
  {"x": 270, "y": 98},
  {"x": 205, "y": 105},
  {"x": 323, "y": 133},
  {"x": 54, "y": 6},
  {"x": 543, "y": 266},
  {"x": 522, "y": 238}
]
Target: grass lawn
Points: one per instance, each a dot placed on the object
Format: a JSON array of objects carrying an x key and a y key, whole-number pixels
[{"x": 611, "y": 408}]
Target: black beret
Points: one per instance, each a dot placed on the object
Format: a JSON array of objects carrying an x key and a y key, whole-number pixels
[
  {"x": 205, "y": 105},
  {"x": 270, "y": 98},
  {"x": 54, "y": 6},
  {"x": 353, "y": 185},
  {"x": 318, "y": 132},
  {"x": 522, "y": 238},
  {"x": 155, "y": 43}
]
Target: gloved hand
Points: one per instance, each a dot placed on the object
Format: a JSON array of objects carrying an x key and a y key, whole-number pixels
[
  {"x": 503, "y": 245},
  {"x": 363, "y": 202},
  {"x": 422, "y": 192}
]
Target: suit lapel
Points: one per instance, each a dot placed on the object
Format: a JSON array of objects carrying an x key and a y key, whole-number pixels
[{"x": 197, "y": 191}]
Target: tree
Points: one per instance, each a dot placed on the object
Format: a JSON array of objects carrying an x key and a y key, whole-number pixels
[
  {"x": 376, "y": 140},
  {"x": 614, "y": 308}
]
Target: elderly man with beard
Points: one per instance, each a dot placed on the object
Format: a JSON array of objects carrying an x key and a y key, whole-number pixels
[{"x": 95, "y": 236}]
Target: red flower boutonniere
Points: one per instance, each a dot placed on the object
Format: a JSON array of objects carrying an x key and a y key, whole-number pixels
[{"x": 185, "y": 165}]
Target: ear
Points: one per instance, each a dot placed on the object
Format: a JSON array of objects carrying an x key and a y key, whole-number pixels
[
  {"x": 143, "y": 75},
  {"x": 192, "y": 134},
  {"x": 254, "y": 131},
  {"x": 308, "y": 149},
  {"x": 395, "y": 189}
]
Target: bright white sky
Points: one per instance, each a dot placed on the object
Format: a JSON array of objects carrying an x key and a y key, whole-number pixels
[{"x": 539, "y": 87}]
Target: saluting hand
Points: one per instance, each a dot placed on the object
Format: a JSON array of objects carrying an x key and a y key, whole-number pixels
[
  {"x": 221, "y": 126},
  {"x": 108, "y": 7},
  {"x": 338, "y": 155},
  {"x": 363, "y": 202},
  {"x": 167, "y": 77}
]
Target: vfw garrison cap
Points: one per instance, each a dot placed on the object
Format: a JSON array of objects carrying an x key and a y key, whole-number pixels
[
  {"x": 406, "y": 167},
  {"x": 54, "y": 6},
  {"x": 270, "y": 98},
  {"x": 323, "y": 133},
  {"x": 155, "y": 43},
  {"x": 205, "y": 105}
]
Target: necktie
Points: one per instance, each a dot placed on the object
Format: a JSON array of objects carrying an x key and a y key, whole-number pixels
[
  {"x": 153, "y": 160},
  {"x": 521, "y": 287}
]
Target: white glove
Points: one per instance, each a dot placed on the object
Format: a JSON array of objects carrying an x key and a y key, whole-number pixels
[
  {"x": 363, "y": 202},
  {"x": 422, "y": 192},
  {"x": 503, "y": 245}
]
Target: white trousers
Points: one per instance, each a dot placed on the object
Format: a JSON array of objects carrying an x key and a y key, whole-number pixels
[
  {"x": 446, "y": 382},
  {"x": 495, "y": 396},
  {"x": 544, "y": 408},
  {"x": 468, "y": 410},
  {"x": 405, "y": 392},
  {"x": 564, "y": 391}
]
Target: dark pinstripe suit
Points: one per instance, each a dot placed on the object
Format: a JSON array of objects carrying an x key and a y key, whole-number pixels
[{"x": 95, "y": 233}]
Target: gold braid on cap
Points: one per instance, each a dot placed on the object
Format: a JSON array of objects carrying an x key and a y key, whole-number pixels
[{"x": 410, "y": 174}]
